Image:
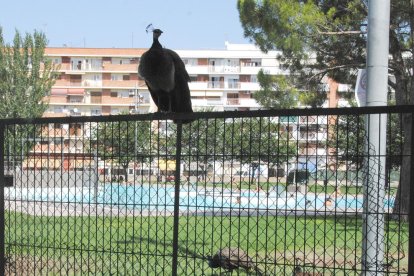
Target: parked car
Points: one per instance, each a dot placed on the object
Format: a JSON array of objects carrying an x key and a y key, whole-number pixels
[{"x": 170, "y": 178}]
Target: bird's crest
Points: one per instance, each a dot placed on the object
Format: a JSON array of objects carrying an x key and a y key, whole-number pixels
[{"x": 149, "y": 28}]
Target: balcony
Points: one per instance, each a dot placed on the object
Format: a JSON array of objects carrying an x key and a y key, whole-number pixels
[
  {"x": 95, "y": 99},
  {"x": 233, "y": 85},
  {"x": 92, "y": 83},
  {"x": 55, "y": 99},
  {"x": 54, "y": 114},
  {"x": 65, "y": 83},
  {"x": 85, "y": 67},
  {"x": 214, "y": 102},
  {"x": 248, "y": 102},
  {"x": 121, "y": 84},
  {"x": 197, "y": 70},
  {"x": 249, "y": 70},
  {"x": 253, "y": 70},
  {"x": 249, "y": 86},
  {"x": 63, "y": 67},
  {"x": 233, "y": 102},
  {"x": 215, "y": 84},
  {"x": 198, "y": 85},
  {"x": 124, "y": 68},
  {"x": 117, "y": 100},
  {"x": 223, "y": 69},
  {"x": 199, "y": 102},
  {"x": 75, "y": 99}
]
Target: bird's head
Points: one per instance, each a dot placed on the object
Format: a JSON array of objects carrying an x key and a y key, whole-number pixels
[
  {"x": 156, "y": 33},
  {"x": 213, "y": 261}
]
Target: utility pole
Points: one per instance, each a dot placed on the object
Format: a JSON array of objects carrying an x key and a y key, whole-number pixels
[{"x": 375, "y": 149}]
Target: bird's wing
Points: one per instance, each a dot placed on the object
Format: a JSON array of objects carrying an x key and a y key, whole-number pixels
[
  {"x": 179, "y": 64},
  {"x": 180, "y": 95},
  {"x": 160, "y": 98},
  {"x": 143, "y": 65},
  {"x": 157, "y": 68}
]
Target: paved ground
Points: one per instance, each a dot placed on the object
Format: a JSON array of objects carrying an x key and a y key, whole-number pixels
[{"x": 42, "y": 178}]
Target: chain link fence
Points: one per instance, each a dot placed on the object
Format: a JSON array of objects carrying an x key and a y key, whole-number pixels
[{"x": 284, "y": 192}]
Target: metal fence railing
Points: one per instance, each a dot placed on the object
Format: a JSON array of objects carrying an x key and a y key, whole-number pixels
[{"x": 318, "y": 191}]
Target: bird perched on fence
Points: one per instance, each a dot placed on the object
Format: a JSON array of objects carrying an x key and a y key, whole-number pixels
[
  {"x": 231, "y": 258},
  {"x": 166, "y": 77}
]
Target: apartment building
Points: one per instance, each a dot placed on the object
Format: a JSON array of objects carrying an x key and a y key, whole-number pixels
[
  {"x": 103, "y": 81},
  {"x": 106, "y": 81}
]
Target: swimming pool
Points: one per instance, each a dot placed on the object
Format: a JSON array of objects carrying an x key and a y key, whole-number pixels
[{"x": 192, "y": 198}]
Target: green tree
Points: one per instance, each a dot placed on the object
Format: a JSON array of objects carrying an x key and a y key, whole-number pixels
[
  {"x": 313, "y": 98},
  {"x": 245, "y": 140},
  {"x": 123, "y": 142},
  {"x": 327, "y": 38},
  {"x": 259, "y": 139},
  {"x": 276, "y": 91},
  {"x": 26, "y": 76}
]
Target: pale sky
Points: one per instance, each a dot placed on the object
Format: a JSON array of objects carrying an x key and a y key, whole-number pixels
[{"x": 187, "y": 24}]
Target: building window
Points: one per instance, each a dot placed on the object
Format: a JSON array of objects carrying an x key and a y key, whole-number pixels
[
  {"x": 116, "y": 77},
  {"x": 123, "y": 94}
]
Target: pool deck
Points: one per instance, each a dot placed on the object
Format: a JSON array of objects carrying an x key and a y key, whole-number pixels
[{"x": 39, "y": 208}]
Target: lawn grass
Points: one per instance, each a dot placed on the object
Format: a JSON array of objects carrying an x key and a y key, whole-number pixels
[{"x": 137, "y": 245}]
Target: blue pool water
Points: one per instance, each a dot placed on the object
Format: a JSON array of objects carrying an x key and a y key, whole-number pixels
[{"x": 153, "y": 197}]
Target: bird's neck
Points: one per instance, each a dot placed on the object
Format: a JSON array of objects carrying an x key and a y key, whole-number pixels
[{"x": 156, "y": 43}]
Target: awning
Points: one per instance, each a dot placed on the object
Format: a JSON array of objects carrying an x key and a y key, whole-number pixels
[
  {"x": 166, "y": 165},
  {"x": 41, "y": 163},
  {"x": 67, "y": 91},
  {"x": 59, "y": 91},
  {"x": 76, "y": 91}
]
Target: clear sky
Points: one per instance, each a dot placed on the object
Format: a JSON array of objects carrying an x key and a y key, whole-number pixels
[{"x": 187, "y": 24}]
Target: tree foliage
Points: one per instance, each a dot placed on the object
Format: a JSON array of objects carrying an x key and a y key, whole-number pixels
[
  {"x": 276, "y": 91},
  {"x": 26, "y": 76},
  {"x": 327, "y": 38},
  {"x": 123, "y": 142}
]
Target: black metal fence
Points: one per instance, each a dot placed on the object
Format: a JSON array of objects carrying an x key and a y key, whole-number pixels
[{"x": 283, "y": 192}]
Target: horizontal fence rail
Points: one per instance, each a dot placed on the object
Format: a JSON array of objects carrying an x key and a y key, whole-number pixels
[{"x": 269, "y": 192}]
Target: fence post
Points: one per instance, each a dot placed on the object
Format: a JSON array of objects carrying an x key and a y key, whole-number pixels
[
  {"x": 411, "y": 210},
  {"x": 177, "y": 175},
  {"x": 2, "y": 185}
]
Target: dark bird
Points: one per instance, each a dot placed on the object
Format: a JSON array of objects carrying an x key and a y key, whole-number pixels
[
  {"x": 231, "y": 258},
  {"x": 166, "y": 77},
  {"x": 298, "y": 270}
]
